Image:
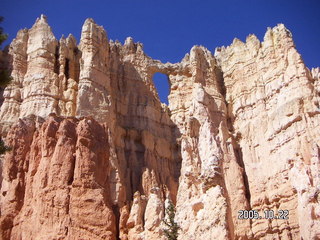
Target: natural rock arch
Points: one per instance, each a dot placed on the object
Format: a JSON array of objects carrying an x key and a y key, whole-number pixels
[{"x": 162, "y": 84}]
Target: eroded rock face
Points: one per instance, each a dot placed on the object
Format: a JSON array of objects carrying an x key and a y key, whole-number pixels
[
  {"x": 10, "y": 108},
  {"x": 241, "y": 132},
  {"x": 273, "y": 103},
  {"x": 44, "y": 75},
  {"x": 59, "y": 183}
]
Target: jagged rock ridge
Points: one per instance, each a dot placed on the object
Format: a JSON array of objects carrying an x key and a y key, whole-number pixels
[{"x": 97, "y": 156}]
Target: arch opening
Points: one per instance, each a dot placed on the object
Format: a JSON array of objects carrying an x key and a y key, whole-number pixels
[{"x": 161, "y": 82}]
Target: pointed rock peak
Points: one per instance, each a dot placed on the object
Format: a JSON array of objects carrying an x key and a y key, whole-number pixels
[
  {"x": 278, "y": 34},
  {"x": 315, "y": 72},
  {"x": 42, "y": 18},
  {"x": 91, "y": 25},
  {"x": 268, "y": 35},
  {"x": 194, "y": 52},
  {"x": 198, "y": 48},
  {"x": 42, "y": 23},
  {"x": 62, "y": 41},
  {"x": 20, "y": 40},
  {"x": 281, "y": 29},
  {"x": 115, "y": 43},
  {"x": 22, "y": 32},
  {"x": 252, "y": 38},
  {"x": 139, "y": 47},
  {"x": 199, "y": 52},
  {"x": 186, "y": 58},
  {"x": 93, "y": 29},
  {"x": 71, "y": 39},
  {"x": 89, "y": 21},
  {"x": 129, "y": 41},
  {"x": 237, "y": 41},
  {"x": 252, "y": 42},
  {"x": 93, "y": 34},
  {"x": 219, "y": 50},
  {"x": 130, "y": 45},
  {"x": 316, "y": 69},
  {"x": 194, "y": 48},
  {"x": 41, "y": 30}
]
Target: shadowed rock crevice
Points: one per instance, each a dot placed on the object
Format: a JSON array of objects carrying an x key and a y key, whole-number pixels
[
  {"x": 116, "y": 212},
  {"x": 56, "y": 60},
  {"x": 239, "y": 158},
  {"x": 67, "y": 68}
]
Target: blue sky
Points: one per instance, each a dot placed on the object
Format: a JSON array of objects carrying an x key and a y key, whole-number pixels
[{"x": 168, "y": 29}]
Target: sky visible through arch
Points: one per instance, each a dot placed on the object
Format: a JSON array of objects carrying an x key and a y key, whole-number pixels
[{"x": 168, "y": 29}]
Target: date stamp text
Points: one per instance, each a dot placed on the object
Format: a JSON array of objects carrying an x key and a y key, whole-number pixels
[{"x": 267, "y": 214}]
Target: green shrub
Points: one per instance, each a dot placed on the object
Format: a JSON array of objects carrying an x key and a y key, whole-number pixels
[{"x": 172, "y": 228}]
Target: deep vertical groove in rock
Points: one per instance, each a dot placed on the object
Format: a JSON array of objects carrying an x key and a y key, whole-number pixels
[
  {"x": 244, "y": 174},
  {"x": 56, "y": 60},
  {"x": 67, "y": 68},
  {"x": 116, "y": 212}
]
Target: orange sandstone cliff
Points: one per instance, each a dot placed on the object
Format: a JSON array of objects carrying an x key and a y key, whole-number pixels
[{"x": 96, "y": 155}]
